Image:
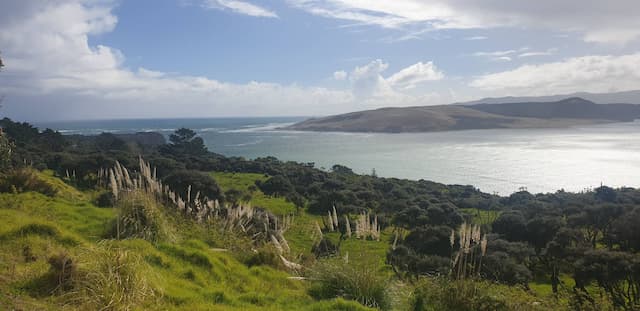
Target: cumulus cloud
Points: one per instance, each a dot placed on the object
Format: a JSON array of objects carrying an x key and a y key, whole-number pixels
[
  {"x": 367, "y": 80},
  {"x": 53, "y": 72},
  {"x": 596, "y": 73},
  {"x": 240, "y": 7},
  {"x": 596, "y": 21},
  {"x": 340, "y": 75},
  {"x": 370, "y": 85},
  {"x": 415, "y": 74}
]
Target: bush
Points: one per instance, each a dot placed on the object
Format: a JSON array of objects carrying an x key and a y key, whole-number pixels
[
  {"x": 111, "y": 279},
  {"x": 62, "y": 271},
  {"x": 338, "y": 278},
  {"x": 141, "y": 216},
  {"x": 265, "y": 256},
  {"x": 106, "y": 199},
  {"x": 25, "y": 180},
  {"x": 181, "y": 180},
  {"x": 324, "y": 248},
  {"x": 459, "y": 295}
]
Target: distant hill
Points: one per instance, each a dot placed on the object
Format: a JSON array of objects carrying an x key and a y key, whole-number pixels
[
  {"x": 629, "y": 97},
  {"x": 563, "y": 113},
  {"x": 570, "y": 108}
]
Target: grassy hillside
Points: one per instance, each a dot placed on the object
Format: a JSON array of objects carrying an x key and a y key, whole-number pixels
[
  {"x": 205, "y": 270},
  {"x": 192, "y": 273}
]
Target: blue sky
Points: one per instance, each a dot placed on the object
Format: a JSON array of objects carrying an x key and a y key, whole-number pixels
[{"x": 96, "y": 59}]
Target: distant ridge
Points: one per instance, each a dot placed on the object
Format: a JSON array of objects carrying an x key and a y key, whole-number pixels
[
  {"x": 570, "y": 108},
  {"x": 627, "y": 97},
  {"x": 562, "y": 113}
]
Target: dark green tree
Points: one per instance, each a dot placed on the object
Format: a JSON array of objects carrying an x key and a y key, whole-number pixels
[{"x": 185, "y": 142}]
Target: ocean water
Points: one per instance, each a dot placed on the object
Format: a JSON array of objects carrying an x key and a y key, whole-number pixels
[{"x": 501, "y": 161}]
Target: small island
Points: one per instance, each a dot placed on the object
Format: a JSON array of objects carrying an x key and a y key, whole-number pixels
[{"x": 564, "y": 113}]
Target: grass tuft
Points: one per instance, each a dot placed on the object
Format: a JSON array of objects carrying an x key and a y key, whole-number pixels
[{"x": 336, "y": 277}]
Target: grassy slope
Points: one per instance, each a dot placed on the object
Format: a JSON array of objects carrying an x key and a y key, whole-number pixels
[
  {"x": 187, "y": 275},
  {"x": 300, "y": 236}
]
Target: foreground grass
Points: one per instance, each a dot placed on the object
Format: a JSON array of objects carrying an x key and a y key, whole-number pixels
[{"x": 190, "y": 274}]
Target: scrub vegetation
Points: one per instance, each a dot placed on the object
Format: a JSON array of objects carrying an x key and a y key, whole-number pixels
[{"x": 99, "y": 223}]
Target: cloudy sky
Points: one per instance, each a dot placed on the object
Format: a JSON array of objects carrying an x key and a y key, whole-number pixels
[{"x": 100, "y": 59}]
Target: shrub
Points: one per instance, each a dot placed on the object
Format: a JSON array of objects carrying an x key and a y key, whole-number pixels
[
  {"x": 141, "y": 216},
  {"x": 62, "y": 271},
  {"x": 106, "y": 199},
  {"x": 324, "y": 248},
  {"x": 264, "y": 256},
  {"x": 459, "y": 295},
  {"x": 200, "y": 182},
  {"x": 111, "y": 279},
  {"x": 338, "y": 278},
  {"x": 24, "y": 180}
]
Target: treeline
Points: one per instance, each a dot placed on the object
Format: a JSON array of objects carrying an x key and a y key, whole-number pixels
[{"x": 591, "y": 238}]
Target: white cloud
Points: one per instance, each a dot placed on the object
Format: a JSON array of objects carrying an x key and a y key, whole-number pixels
[
  {"x": 340, "y": 75},
  {"x": 53, "y": 73},
  {"x": 411, "y": 76},
  {"x": 587, "y": 73},
  {"x": 371, "y": 87},
  {"x": 508, "y": 55},
  {"x": 548, "y": 52},
  {"x": 476, "y": 38},
  {"x": 596, "y": 21},
  {"x": 240, "y": 7},
  {"x": 367, "y": 80}
]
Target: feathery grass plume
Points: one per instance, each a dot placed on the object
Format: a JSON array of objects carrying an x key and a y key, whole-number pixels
[
  {"x": 367, "y": 228},
  {"x": 189, "y": 194},
  {"x": 277, "y": 245},
  {"x": 283, "y": 243},
  {"x": 335, "y": 217},
  {"x": 318, "y": 231},
  {"x": 330, "y": 222},
  {"x": 452, "y": 238},
  {"x": 290, "y": 265},
  {"x": 348, "y": 226},
  {"x": 395, "y": 242},
  {"x": 468, "y": 259},
  {"x": 114, "y": 184},
  {"x": 483, "y": 244}
]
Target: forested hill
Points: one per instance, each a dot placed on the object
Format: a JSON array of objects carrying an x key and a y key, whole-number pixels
[
  {"x": 570, "y": 108},
  {"x": 563, "y": 113}
]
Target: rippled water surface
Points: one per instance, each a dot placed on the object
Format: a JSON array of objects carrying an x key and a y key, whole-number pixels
[{"x": 502, "y": 161}]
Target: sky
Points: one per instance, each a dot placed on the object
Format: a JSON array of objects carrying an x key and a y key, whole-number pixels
[{"x": 105, "y": 59}]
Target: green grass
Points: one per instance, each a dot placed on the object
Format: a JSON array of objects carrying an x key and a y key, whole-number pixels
[
  {"x": 481, "y": 217},
  {"x": 242, "y": 182},
  {"x": 189, "y": 274},
  {"x": 192, "y": 273},
  {"x": 300, "y": 235}
]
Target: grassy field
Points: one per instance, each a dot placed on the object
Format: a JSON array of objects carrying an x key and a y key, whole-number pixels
[{"x": 190, "y": 274}]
